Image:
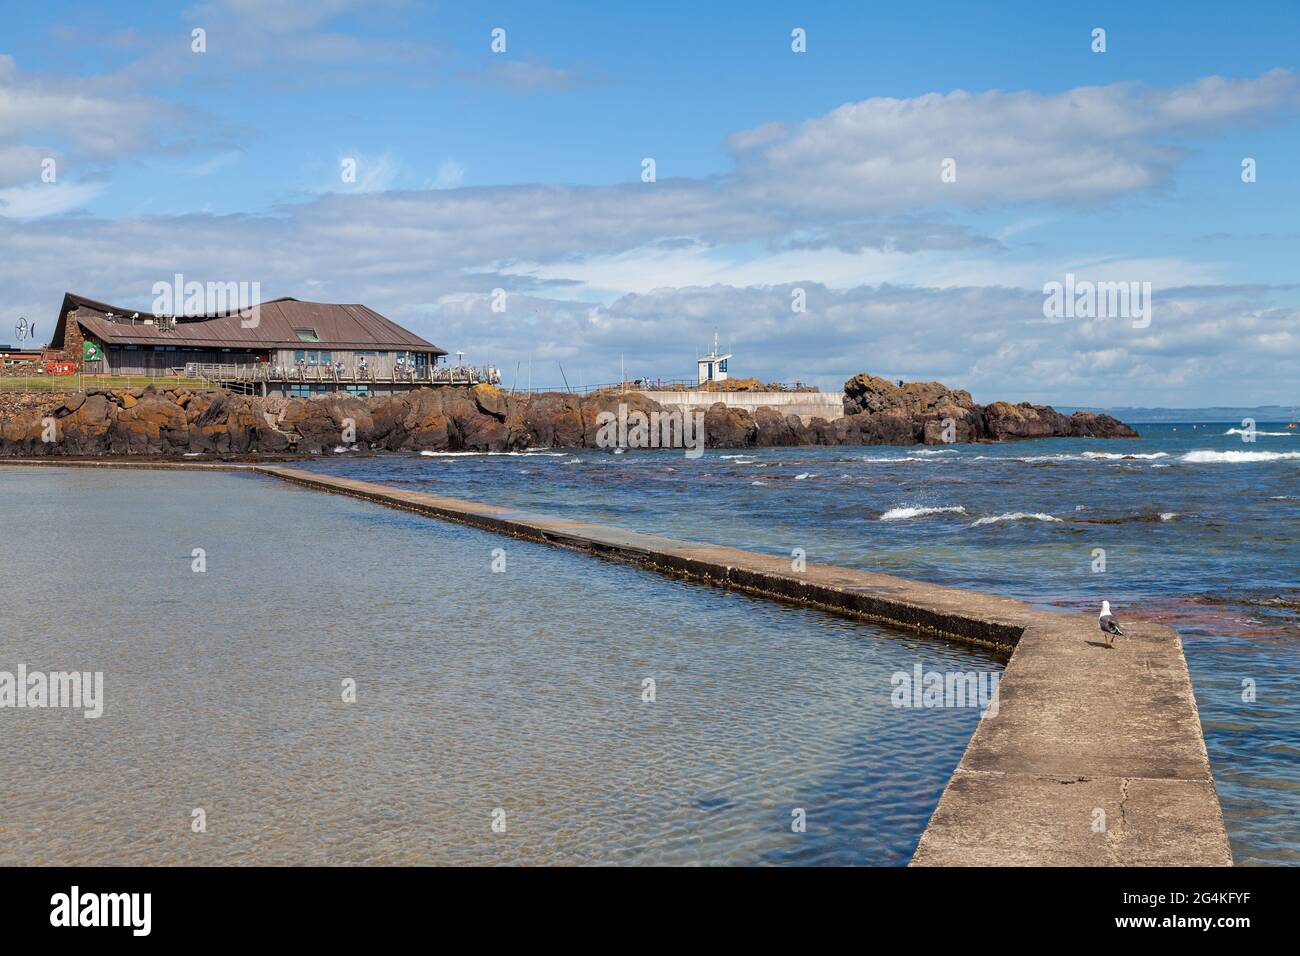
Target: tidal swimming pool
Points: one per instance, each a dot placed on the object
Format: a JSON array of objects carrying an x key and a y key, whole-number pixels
[{"x": 560, "y": 710}]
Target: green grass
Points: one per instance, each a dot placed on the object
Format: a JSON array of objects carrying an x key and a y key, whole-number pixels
[{"x": 80, "y": 382}]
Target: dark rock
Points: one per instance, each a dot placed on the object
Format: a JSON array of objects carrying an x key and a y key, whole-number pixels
[{"x": 177, "y": 420}]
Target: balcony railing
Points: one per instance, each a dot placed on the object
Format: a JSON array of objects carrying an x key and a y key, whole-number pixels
[{"x": 337, "y": 374}]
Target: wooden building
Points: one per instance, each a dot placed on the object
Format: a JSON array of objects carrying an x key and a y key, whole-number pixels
[{"x": 284, "y": 335}]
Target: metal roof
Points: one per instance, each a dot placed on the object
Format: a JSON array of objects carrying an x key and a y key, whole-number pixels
[{"x": 336, "y": 326}]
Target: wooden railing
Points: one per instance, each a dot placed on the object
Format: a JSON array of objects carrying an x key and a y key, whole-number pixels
[{"x": 266, "y": 372}]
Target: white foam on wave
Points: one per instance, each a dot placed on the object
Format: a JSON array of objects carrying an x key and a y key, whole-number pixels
[
  {"x": 1086, "y": 456},
  {"x": 885, "y": 460},
  {"x": 803, "y": 476},
  {"x": 1015, "y": 516},
  {"x": 725, "y": 457},
  {"x": 898, "y": 514},
  {"x": 1203, "y": 457},
  {"x": 1168, "y": 515},
  {"x": 935, "y": 451},
  {"x": 759, "y": 484},
  {"x": 1238, "y": 431}
]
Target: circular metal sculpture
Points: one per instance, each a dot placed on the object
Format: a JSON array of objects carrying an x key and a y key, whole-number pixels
[{"x": 22, "y": 328}]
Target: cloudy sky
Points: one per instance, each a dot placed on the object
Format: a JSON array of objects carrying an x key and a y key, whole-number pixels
[{"x": 778, "y": 176}]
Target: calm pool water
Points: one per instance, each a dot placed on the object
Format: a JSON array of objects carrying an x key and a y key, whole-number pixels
[{"x": 476, "y": 691}]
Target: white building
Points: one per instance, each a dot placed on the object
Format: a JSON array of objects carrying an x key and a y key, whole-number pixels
[{"x": 712, "y": 367}]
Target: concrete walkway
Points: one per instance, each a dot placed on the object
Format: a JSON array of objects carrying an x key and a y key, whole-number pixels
[{"x": 1094, "y": 757}]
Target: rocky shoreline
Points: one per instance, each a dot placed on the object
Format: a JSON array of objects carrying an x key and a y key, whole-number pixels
[{"x": 179, "y": 421}]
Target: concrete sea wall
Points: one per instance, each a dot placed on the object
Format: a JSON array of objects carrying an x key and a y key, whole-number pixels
[{"x": 807, "y": 405}]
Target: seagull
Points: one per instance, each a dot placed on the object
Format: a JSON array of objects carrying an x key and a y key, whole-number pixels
[{"x": 1108, "y": 624}]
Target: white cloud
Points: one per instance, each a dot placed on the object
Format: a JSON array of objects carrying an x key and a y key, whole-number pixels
[
  {"x": 46, "y": 199},
  {"x": 1086, "y": 144}
]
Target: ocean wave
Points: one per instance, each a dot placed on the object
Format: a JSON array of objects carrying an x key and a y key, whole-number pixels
[
  {"x": 898, "y": 514},
  {"x": 1086, "y": 456},
  {"x": 886, "y": 460},
  {"x": 1237, "y": 457},
  {"x": 935, "y": 451},
  {"x": 1239, "y": 431},
  {"x": 1015, "y": 516},
  {"x": 806, "y": 474}
]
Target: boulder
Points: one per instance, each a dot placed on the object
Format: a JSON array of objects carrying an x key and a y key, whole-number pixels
[{"x": 728, "y": 427}]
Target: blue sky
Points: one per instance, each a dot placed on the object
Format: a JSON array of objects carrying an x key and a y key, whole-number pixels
[{"x": 775, "y": 170}]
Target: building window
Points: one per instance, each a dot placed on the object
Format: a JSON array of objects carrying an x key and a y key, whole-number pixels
[{"x": 307, "y": 335}]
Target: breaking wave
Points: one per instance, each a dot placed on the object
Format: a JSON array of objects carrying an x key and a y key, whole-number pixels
[
  {"x": 1238, "y": 431},
  {"x": 1015, "y": 516},
  {"x": 898, "y": 514},
  {"x": 1237, "y": 457}
]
